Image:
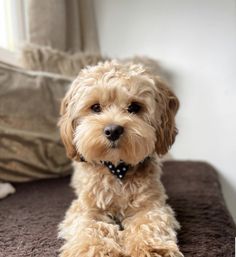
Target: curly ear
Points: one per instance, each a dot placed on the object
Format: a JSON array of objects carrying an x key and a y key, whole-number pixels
[
  {"x": 166, "y": 129},
  {"x": 66, "y": 128}
]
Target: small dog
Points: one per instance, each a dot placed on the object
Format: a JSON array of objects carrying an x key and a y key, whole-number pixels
[{"x": 116, "y": 120}]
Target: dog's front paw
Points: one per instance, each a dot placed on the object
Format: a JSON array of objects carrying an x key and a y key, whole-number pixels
[
  {"x": 160, "y": 250},
  {"x": 165, "y": 253},
  {"x": 96, "y": 253},
  {"x": 92, "y": 248}
]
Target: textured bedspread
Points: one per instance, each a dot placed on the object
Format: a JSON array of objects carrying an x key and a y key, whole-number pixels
[{"x": 29, "y": 218}]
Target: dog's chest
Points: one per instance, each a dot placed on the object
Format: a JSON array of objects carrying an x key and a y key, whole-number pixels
[{"x": 115, "y": 197}]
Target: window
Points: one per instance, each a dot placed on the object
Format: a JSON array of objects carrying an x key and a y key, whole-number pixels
[{"x": 13, "y": 28}]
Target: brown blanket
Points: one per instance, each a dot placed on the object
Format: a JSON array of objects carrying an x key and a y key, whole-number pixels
[{"x": 29, "y": 219}]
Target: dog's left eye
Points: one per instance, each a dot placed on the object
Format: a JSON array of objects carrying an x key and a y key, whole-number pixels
[
  {"x": 96, "y": 108},
  {"x": 134, "y": 107}
]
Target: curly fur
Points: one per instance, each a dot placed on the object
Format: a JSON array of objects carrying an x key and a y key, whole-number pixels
[{"x": 111, "y": 217}]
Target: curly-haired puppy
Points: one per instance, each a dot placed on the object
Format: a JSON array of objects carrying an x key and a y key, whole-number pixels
[{"x": 116, "y": 120}]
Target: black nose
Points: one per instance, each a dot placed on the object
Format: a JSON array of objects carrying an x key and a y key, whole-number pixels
[{"x": 113, "y": 132}]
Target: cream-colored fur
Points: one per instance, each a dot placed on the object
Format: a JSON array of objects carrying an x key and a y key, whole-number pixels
[{"x": 113, "y": 217}]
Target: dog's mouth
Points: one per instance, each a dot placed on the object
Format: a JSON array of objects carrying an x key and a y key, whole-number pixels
[{"x": 114, "y": 144}]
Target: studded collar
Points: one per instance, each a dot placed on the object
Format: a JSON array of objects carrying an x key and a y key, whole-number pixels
[{"x": 119, "y": 170}]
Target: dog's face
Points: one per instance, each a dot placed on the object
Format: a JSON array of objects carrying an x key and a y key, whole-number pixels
[{"x": 117, "y": 112}]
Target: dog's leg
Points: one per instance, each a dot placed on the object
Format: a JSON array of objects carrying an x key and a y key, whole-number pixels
[
  {"x": 150, "y": 233},
  {"x": 89, "y": 233}
]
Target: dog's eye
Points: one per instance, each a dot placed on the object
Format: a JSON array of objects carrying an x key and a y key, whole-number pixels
[
  {"x": 134, "y": 107},
  {"x": 96, "y": 108}
]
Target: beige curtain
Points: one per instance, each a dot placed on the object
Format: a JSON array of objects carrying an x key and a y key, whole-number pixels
[
  {"x": 62, "y": 36},
  {"x": 65, "y": 25}
]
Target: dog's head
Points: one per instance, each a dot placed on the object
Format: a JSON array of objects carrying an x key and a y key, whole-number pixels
[{"x": 116, "y": 112}]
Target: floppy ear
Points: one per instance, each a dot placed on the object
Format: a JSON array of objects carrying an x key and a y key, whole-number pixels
[
  {"x": 165, "y": 129},
  {"x": 66, "y": 127}
]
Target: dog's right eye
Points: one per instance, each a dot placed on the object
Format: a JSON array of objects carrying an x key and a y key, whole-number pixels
[
  {"x": 134, "y": 107},
  {"x": 96, "y": 108}
]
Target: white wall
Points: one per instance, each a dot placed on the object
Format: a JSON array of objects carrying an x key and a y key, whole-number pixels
[{"x": 196, "y": 41}]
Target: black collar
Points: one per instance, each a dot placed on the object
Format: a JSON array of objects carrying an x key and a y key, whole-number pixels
[{"x": 119, "y": 170}]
